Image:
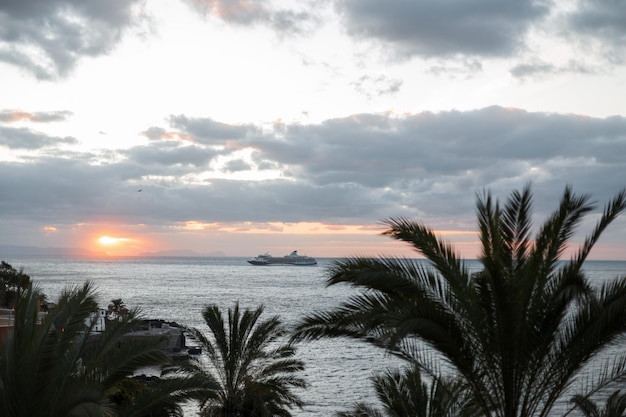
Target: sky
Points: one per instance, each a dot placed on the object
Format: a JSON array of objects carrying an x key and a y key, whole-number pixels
[{"x": 239, "y": 127}]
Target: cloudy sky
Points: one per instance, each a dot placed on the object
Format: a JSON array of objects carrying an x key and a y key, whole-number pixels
[{"x": 246, "y": 126}]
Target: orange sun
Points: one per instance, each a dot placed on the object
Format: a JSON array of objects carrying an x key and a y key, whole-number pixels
[
  {"x": 116, "y": 246},
  {"x": 108, "y": 240}
]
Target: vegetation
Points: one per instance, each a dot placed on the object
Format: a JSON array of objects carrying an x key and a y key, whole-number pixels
[
  {"x": 55, "y": 365},
  {"x": 615, "y": 406},
  {"x": 405, "y": 394},
  {"x": 519, "y": 332},
  {"x": 251, "y": 373},
  {"x": 12, "y": 282},
  {"x": 117, "y": 308}
]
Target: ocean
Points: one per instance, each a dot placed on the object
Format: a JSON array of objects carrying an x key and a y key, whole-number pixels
[{"x": 176, "y": 289}]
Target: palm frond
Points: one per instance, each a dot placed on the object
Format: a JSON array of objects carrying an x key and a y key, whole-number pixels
[
  {"x": 252, "y": 367},
  {"x": 423, "y": 239},
  {"x": 519, "y": 332},
  {"x": 611, "y": 211}
]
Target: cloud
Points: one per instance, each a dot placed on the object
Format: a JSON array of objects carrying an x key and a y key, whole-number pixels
[
  {"x": 237, "y": 165},
  {"x": 583, "y": 37},
  {"x": 602, "y": 21},
  {"x": 486, "y": 28},
  {"x": 542, "y": 69},
  {"x": 38, "y": 117},
  {"x": 433, "y": 29},
  {"x": 299, "y": 18},
  {"x": 23, "y": 138},
  {"x": 351, "y": 170},
  {"x": 170, "y": 154},
  {"x": 159, "y": 133},
  {"x": 457, "y": 35},
  {"x": 373, "y": 87},
  {"x": 48, "y": 37},
  {"x": 208, "y": 131},
  {"x": 447, "y": 152}
]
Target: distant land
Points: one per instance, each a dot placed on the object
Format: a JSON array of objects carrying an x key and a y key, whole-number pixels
[
  {"x": 36, "y": 250},
  {"x": 182, "y": 252},
  {"x": 50, "y": 251}
]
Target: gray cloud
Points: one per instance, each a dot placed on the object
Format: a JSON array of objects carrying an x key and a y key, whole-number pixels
[
  {"x": 602, "y": 20},
  {"x": 356, "y": 170},
  {"x": 538, "y": 68},
  {"x": 23, "y": 138},
  {"x": 594, "y": 31},
  {"x": 485, "y": 28},
  {"x": 158, "y": 133},
  {"x": 237, "y": 165},
  {"x": 456, "y": 34},
  {"x": 530, "y": 69},
  {"x": 171, "y": 154},
  {"x": 442, "y": 29},
  {"x": 42, "y": 190},
  {"x": 208, "y": 131},
  {"x": 47, "y": 37},
  {"x": 66, "y": 191},
  {"x": 380, "y": 85}
]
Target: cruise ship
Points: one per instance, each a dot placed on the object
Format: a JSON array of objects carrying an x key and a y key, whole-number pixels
[{"x": 292, "y": 259}]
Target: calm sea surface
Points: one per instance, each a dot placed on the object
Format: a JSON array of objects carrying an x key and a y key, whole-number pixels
[{"x": 177, "y": 289}]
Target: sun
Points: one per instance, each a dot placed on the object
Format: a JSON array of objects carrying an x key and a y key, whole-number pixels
[
  {"x": 116, "y": 246},
  {"x": 108, "y": 240}
]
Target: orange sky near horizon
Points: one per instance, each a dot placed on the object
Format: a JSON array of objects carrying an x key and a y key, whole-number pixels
[{"x": 314, "y": 239}]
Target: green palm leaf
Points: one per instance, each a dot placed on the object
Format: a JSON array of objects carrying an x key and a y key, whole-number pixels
[
  {"x": 519, "y": 332},
  {"x": 252, "y": 370},
  {"x": 55, "y": 365}
]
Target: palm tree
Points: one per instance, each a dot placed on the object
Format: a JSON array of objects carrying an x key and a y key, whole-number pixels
[
  {"x": 254, "y": 370},
  {"x": 615, "y": 406},
  {"x": 407, "y": 395},
  {"x": 116, "y": 308},
  {"x": 55, "y": 365},
  {"x": 519, "y": 332},
  {"x": 12, "y": 282}
]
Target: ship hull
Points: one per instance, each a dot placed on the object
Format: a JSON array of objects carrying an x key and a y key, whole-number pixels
[
  {"x": 292, "y": 259},
  {"x": 282, "y": 262}
]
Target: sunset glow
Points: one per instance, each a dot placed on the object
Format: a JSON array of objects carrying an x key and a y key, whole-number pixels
[
  {"x": 108, "y": 240},
  {"x": 112, "y": 245}
]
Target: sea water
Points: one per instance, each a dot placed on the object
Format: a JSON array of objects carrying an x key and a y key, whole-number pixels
[{"x": 176, "y": 289}]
